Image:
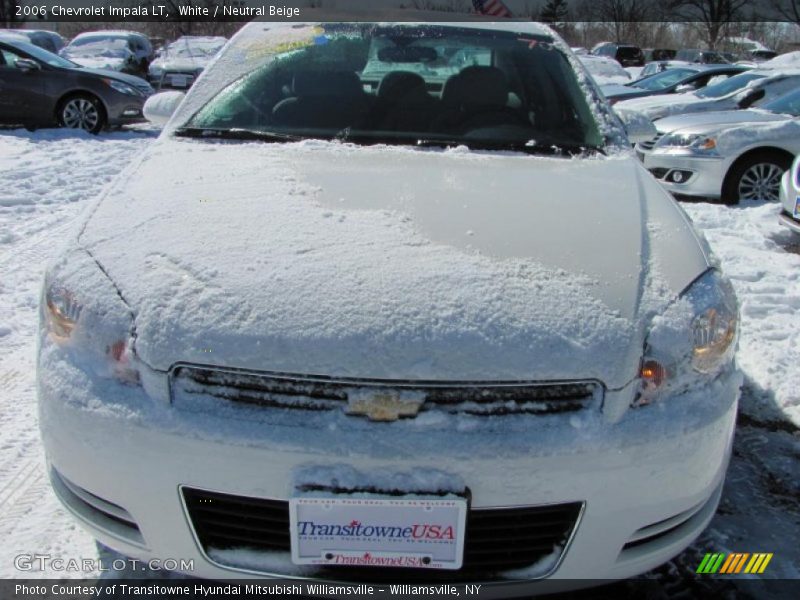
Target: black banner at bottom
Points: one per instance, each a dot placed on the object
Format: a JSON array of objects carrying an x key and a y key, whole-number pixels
[{"x": 197, "y": 589}]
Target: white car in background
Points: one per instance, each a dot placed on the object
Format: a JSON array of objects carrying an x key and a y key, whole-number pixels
[
  {"x": 751, "y": 88},
  {"x": 730, "y": 155},
  {"x": 604, "y": 70},
  {"x": 333, "y": 330},
  {"x": 790, "y": 197},
  {"x": 127, "y": 51}
]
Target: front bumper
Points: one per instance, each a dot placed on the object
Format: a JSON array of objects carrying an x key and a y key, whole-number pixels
[
  {"x": 700, "y": 177},
  {"x": 649, "y": 484}
]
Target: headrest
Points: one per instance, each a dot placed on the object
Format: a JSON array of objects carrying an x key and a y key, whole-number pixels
[{"x": 476, "y": 85}]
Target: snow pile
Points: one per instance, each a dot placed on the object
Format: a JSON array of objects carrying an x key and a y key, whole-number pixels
[
  {"x": 751, "y": 246},
  {"x": 730, "y": 141},
  {"x": 789, "y": 59}
]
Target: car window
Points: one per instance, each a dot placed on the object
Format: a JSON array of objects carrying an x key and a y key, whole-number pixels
[
  {"x": 403, "y": 83},
  {"x": 788, "y": 104},
  {"x": 664, "y": 79},
  {"x": 9, "y": 58},
  {"x": 729, "y": 86},
  {"x": 777, "y": 88}
]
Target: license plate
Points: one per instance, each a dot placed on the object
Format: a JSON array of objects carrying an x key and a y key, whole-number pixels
[
  {"x": 797, "y": 207},
  {"x": 180, "y": 80},
  {"x": 372, "y": 532}
]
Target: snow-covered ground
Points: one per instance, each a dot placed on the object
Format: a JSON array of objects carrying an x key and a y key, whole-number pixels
[{"x": 46, "y": 179}]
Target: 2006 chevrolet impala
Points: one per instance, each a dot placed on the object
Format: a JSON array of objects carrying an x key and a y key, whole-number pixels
[{"x": 390, "y": 301}]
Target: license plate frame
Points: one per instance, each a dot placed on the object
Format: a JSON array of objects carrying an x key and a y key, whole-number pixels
[{"x": 425, "y": 533}]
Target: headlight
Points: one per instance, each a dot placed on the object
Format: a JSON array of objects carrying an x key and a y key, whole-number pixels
[
  {"x": 693, "y": 340},
  {"x": 699, "y": 142},
  {"x": 97, "y": 338},
  {"x": 123, "y": 88}
]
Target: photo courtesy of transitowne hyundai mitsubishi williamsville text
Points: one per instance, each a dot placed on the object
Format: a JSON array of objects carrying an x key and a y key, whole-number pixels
[{"x": 378, "y": 276}]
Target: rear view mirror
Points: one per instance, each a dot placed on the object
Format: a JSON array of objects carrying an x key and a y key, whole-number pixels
[
  {"x": 407, "y": 54},
  {"x": 26, "y": 64},
  {"x": 638, "y": 127},
  {"x": 160, "y": 107}
]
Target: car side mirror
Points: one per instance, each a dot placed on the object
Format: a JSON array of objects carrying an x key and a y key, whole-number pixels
[
  {"x": 751, "y": 98},
  {"x": 637, "y": 125},
  {"x": 26, "y": 64},
  {"x": 160, "y": 107}
]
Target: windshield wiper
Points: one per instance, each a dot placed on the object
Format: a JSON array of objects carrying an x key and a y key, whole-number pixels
[
  {"x": 236, "y": 134},
  {"x": 529, "y": 147}
]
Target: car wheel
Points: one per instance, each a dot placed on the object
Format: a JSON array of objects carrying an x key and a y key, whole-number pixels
[
  {"x": 82, "y": 112},
  {"x": 755, "y": 177}
]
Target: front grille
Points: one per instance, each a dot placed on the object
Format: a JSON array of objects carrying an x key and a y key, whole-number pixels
[
  {"x": 310, "y": 393},
  {"x": 497, "y": 539},
  {"x": 648, "y": 145}
]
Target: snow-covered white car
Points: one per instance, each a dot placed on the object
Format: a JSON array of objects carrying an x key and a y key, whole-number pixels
[
  {"x": 729, "y": 155},
  {"x": 751, "y": 88},
  {"x": 604, "y": 70},
  {"x": 790, "y": 197},
  {"x": 342, "y": 329},
  {"x": 180, "y": 63},
  {"x": 126, "y": 51}
]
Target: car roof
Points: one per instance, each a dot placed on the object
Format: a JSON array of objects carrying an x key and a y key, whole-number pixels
[{"x": 110, "y": 33}]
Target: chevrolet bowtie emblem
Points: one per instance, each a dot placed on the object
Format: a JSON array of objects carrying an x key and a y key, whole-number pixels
[{"x": 384, "y": 406}]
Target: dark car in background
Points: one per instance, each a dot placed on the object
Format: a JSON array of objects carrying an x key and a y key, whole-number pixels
[
  {"x": 125, "y": 51},
  {"x": 39, "y": 88},
  {"x": 49, "y": 40},
  {"x": 651, "y": 54},
  {"x": 627, "y": 55},
  {"x": 677, "y": 79},
  {"x": 706, "y": 57}
]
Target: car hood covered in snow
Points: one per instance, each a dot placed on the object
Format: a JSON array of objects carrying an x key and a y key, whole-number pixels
[
  {"x": 701, "y": 123},
  {"x": 391, "y": 262}
]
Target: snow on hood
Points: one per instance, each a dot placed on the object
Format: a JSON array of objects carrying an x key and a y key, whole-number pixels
[
  {"x": 99, "y": 63},
  {"x": 389, "y": 262},
  {"x": 708, "y": 121},
  {"x": 734, "y": 139},
  {"x": 789, "y": 59},
  {"x": 660, "y": 105}
]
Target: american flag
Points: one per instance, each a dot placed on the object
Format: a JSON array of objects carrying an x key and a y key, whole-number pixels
[{"x": 492, "y": 8}]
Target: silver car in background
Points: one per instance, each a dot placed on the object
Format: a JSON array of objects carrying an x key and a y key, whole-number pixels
[
  {"x": 751, "y": 88},
  {"x": 727, "y": 155},
  {"x": 790, "y": 198},
  {"x": 180, "y": 63}
]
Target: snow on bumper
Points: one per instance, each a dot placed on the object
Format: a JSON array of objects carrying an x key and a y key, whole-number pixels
[{"x": 661, "y": 464}]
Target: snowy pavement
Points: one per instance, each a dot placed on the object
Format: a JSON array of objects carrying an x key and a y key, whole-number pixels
[{"x": 46, "y": 179}]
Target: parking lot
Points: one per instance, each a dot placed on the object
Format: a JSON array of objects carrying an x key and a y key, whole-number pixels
[{"x": 51, "y": 176}]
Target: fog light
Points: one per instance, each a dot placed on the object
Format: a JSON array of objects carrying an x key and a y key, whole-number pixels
[{"x": 131, "y": 113}]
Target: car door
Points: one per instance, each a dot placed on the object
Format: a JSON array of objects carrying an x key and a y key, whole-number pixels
[{"x": 22, "y": 98}]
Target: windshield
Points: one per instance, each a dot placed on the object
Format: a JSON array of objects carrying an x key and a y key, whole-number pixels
[
  {"x": 788, "y": 104},
  {"x": 729, "y": 86},
  {"x": 44, "y": 56},
  {"x": 186, "y": 48},
  {"x": 663, "y": 80},
  {"x": 98, "y": 46},
  {"x": 408, "y": 84}
]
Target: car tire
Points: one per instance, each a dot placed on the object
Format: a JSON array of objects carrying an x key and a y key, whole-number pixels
[
  {"x": 82, "y": 111},
  {"x": 756, "y": 176}
]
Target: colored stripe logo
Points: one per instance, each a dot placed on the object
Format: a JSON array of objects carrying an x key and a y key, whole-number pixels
[{"x": 736, "y": 562}]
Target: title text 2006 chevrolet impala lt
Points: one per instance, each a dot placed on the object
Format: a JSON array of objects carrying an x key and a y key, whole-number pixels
[{"x": 390, "y": 301}]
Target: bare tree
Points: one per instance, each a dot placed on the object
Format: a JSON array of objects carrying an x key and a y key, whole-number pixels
[
  {"x": 8, "y": 12},
  {"x": 712, "y": 16},
  {"x": 622, "y": 19},
  {"x": 788, "y": 9}
]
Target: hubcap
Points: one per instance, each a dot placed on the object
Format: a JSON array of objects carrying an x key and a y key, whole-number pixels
[
  {"x": 79, "y": 113},
  {"x": 762, "y": 181}
]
